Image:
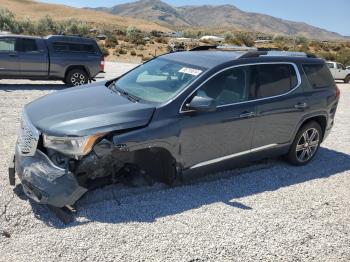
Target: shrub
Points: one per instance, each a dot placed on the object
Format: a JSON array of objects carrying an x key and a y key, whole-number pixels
[
  {"x": 133, "y": 52},
  {"x": 121, "y": 51},
  {"x": 301, "y": 40},
  {"x": 111, "y": 41},
  {"x": 104, "y": 50},
  {"x": 245, "y": 38},
  {"x": 161, "y": 40},
  {"x": 189, "y": 34},
  {"x": 46, "y": 25},
  {"x": 228, "y": 36},
  {"x": 27, "y": 27},
  {"x": 8, "y": 22},
  {"x": 343, "y": 56},
  {"x": 146, "y": 58},
  {"x": 155, "y": 33},
  {"x": 134, "y": 35}
]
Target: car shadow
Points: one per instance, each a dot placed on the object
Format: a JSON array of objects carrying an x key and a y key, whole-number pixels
[
  {"x": 32, "y": 87},
  {"x": 150, "y": 206}
]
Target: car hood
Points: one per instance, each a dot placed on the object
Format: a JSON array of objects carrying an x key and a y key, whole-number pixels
[{"x": 87, "y": 110}]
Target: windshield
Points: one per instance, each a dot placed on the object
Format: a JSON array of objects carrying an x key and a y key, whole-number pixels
[{"x": 158, "y": 80}]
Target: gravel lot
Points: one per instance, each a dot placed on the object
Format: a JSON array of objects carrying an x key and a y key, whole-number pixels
[{"x": 269, "y": 211}]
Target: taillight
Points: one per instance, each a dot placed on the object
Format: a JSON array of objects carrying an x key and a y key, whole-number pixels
[
  {"x": 337, "y": 93},
  {"x": 102, "y": 64}
]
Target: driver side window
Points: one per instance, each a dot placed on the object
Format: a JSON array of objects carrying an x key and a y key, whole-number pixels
[{"x": 228, "y": 87}]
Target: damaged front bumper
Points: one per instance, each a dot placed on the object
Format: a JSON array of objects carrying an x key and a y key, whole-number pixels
[{"x": 44, "y": 182}]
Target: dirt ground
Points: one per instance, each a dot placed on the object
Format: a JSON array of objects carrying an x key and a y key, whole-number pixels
[{"x": 269, "y": 211}]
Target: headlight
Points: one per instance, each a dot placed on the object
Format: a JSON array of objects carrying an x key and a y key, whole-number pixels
[{"x": 74, "y": 146}]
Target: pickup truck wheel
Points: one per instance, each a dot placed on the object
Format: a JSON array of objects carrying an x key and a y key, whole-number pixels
[
  {"x": 306, "y": 144},
  {"x": 347, "y": 79},
  {"x": 77, "y": 77}
]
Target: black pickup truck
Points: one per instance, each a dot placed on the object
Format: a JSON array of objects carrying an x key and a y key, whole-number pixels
[{"x": 74, "y": 60}]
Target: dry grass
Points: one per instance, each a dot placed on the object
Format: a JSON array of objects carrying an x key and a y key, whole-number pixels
[{"x": 36, "y": 10}]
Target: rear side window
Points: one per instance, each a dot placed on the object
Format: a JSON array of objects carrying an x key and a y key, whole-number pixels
[
  {"x": 29, "y": 45},
  {"x": 274, "y": 79},
  {"x": 7, "y": 44},
  {"x": 73, "y": 47},
  {"x": 318, "y": 75}
]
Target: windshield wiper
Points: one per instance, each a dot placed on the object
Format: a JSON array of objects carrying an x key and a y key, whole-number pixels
[{"x": 125, "y": 93}]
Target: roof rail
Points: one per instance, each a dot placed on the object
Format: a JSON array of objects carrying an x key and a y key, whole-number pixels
[
  {"x": 223, "y": 48},
  {"x": 253, "y": 54},
  {"x": 203, "y": 47},
  {"x": 276, "y": 53}
]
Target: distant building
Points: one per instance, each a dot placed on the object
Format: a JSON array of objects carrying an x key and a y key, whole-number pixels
[
  {"x": 172, "y": 34},
  {"x": 101, "y": 37},
  {"x": 183, "y": 39},
  {"x": 212, "y": 38},
  {"x": 263, "y": 40}
]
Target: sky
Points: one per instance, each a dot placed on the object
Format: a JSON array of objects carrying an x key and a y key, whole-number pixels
[{"x": 333, "y": 15}]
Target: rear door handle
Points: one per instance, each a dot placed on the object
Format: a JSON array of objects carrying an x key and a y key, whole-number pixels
[
  {"x": 301, "y": 105},
  {"x": 247, "y": 115}
]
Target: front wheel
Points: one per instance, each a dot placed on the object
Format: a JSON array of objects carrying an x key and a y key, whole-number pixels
[
  {"x": 306, "y": 144},
  {"x": 76, "y": 77}
]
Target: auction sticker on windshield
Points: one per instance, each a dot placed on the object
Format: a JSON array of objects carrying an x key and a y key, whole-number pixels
[{"x": 190, "y": 71}]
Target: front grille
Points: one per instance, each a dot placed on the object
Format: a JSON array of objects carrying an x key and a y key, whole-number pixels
[{"x": 28, "y": 137}]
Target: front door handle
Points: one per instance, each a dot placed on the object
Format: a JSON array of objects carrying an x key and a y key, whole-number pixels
[
  {"x": 301, "y": 105},
  {"x": 247, "y": 115}
]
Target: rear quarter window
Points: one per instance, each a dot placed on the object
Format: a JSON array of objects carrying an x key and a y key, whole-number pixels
[
  {"x": 275, "y": 79},
  {"x": 318, "y": 75},
  {"x": 74, "y": 47}
]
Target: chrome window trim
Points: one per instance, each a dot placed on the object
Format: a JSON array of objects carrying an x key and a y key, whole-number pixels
[
  {"x": 219, "y": 159},
  {"x": 249, "y": 101}
]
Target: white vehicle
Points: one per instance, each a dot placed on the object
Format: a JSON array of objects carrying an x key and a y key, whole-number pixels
[{"x": 339, "y": 71}]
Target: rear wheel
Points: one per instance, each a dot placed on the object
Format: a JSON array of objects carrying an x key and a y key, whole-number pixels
[
  {"x": 347, "y": 79},
  {"x": 306, "y": 144},
  {"x": 76, "y": 77}
]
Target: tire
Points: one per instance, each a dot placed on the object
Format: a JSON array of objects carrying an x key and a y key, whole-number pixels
[
  {"x": 76, "y": 77},
  {"x": 306, "y": 144},
  {"x": 347, "y": 79}
]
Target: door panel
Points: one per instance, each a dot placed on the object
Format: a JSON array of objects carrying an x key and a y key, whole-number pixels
[
  {"x": 279, "y": 106},
  {"x": 340, "y": 72},
  {"x": 206, "y": 136},
  {"x": 33, "y": 60},
  {"x": 276, "y": 120},
  {"x": 9, "y": 63}
]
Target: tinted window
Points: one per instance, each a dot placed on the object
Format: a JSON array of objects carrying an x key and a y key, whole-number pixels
[
  {"x": 318, "y": 75},
  {"x": 7, "y": 44},
  {"x": 73, "y": 47},
  {"x": 340, "y": 66},
  {"x": 330, "y": 65},
  {"x": 29, "y": 45},
  {"x": 274, "y": 79},
  {"x": 227, "y": 87}
]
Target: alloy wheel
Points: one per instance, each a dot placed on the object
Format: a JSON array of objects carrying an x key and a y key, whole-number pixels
[
  {"x": 78, "y": 79},
  {"x": 307, "y": 145}
]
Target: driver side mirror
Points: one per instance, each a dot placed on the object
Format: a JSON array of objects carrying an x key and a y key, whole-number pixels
[{"x": 202, "y": 104}]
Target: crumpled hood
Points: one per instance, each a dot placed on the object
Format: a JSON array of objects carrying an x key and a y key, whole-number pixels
[{"x": 87, "y": 110}]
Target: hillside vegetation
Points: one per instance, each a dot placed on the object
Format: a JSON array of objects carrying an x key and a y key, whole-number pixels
[
  {"x": 28, "y": 9},
  {"x": 132, "y": 44},
  {"x": 212, "y": 17}
]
